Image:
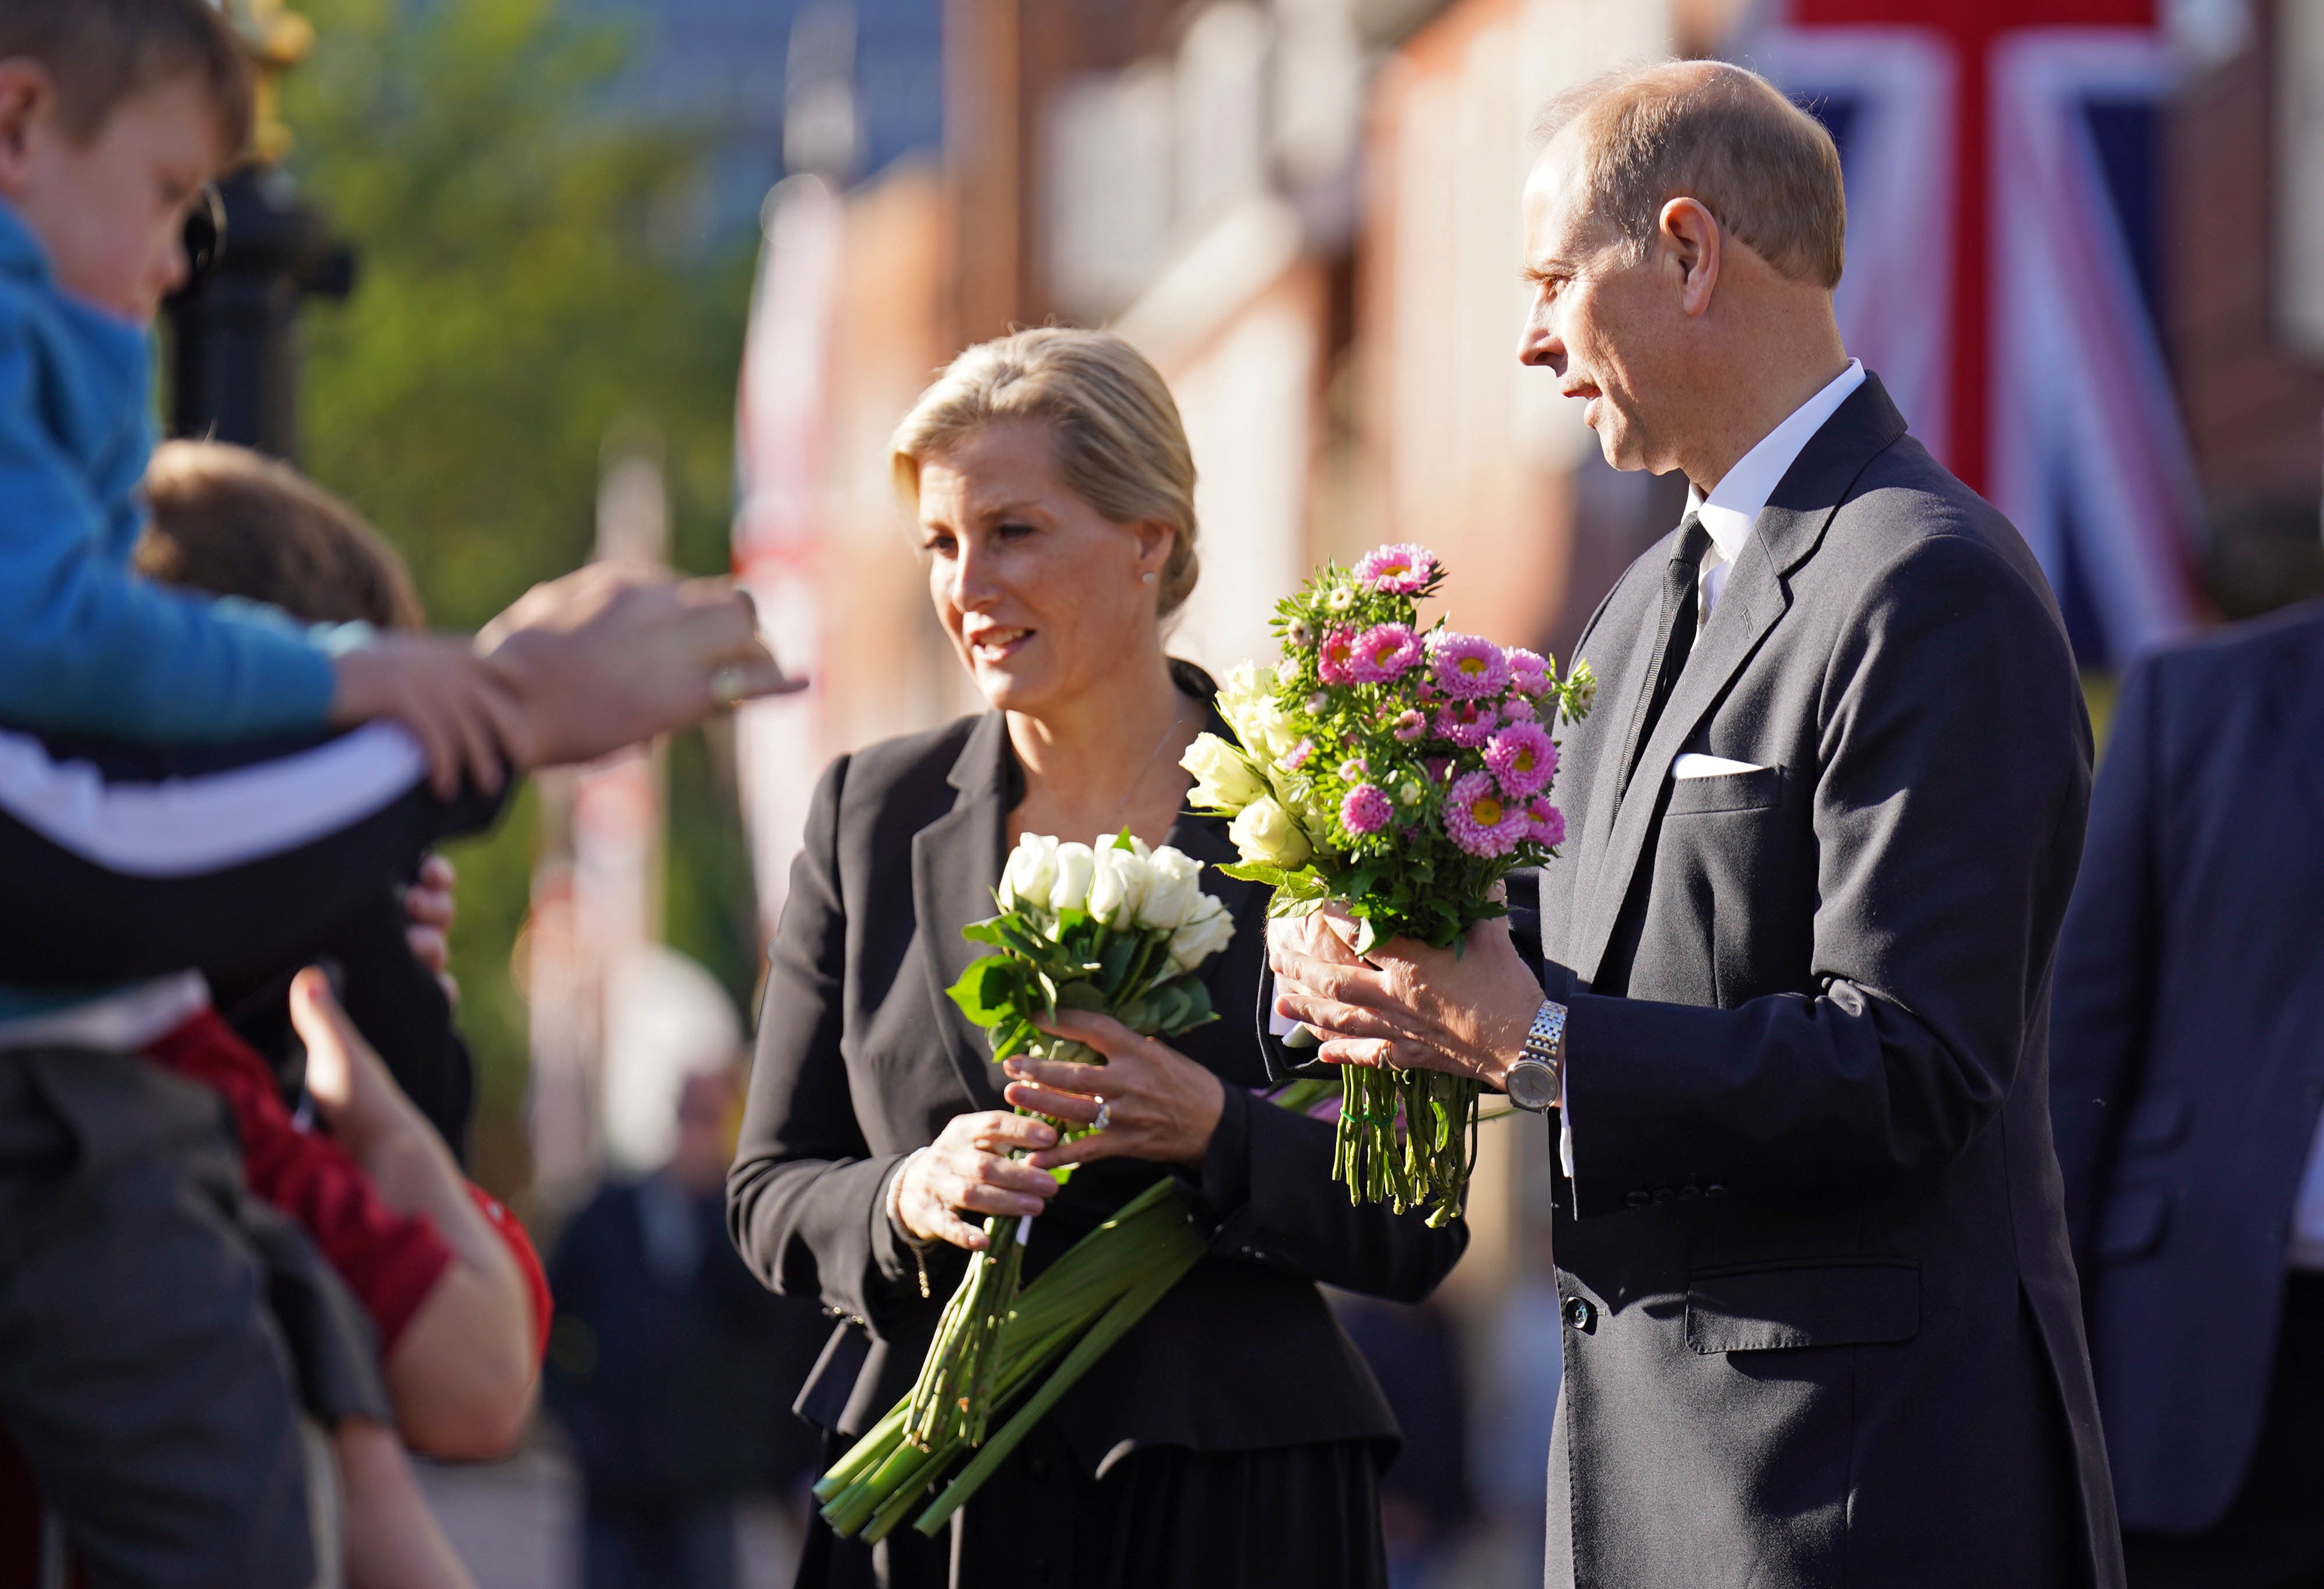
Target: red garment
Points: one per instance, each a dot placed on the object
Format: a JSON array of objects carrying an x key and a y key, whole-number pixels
[
  {"x": 528, "y": 1264},
  {"x": 390, "y": 1259}
]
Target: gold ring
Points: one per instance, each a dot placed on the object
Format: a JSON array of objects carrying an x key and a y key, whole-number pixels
[{"x": 727, "y": 686}]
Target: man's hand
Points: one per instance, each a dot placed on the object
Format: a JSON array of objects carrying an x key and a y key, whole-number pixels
[
  {"x": 1407, "y": 1006},
  {"x": 462, "y": 713},
  {"x": 429, "y": 908},
  {"x": 610, "y": 655}
]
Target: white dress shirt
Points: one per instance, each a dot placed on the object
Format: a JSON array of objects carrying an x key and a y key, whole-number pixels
[
  {"x": 1728, "y": 515},
  {"x": 1734, "y": 504}
]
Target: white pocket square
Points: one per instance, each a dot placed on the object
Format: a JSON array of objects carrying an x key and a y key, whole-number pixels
[{"x": 1694, "y": 764}]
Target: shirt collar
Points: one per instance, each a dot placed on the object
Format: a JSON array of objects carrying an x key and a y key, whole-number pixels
[{"x": 1734, "y": 505}]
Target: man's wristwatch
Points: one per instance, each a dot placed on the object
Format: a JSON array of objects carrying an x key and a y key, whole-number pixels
[{"x": 1531, "y": 1081}]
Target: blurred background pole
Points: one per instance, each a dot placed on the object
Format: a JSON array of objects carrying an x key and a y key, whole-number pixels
[{"x": 234, "y": 355}]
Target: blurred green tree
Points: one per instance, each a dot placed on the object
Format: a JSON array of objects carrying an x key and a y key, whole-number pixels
[{"x": 531, "y": 275}]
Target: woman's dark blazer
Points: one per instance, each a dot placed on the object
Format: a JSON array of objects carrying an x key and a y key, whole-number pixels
[{"x": 861, "y": 1058}]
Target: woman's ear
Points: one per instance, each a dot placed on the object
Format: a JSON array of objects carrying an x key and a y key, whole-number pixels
[{"x": 1155, "y": 541}]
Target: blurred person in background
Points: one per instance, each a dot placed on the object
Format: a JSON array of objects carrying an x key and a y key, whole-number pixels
[
  {"x": 2187, "y": 1081},
  {"x": 1426, "y": 1502},
  {"x": 671, "y": 1369},
  {"x": 1233, "y": 1438}
]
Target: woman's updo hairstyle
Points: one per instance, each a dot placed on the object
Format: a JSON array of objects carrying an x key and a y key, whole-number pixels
[{"x": 1120, "y": 447}]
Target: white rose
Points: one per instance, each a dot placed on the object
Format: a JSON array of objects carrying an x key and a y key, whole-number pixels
[
  {"x": 1264, "y": 832},
  {"x": 1201, "y": 937},
  {"x": 1032, "y": 868},
  {"x": 1173, "y": 891},
  {"x": 1076, "y": 865},
  {"x": 1223, "y": 780},
  {"x": 1118, "y": 884}
]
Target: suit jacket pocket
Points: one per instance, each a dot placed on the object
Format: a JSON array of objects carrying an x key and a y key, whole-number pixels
[
  {"x": 1754, "y": 791},
  {"x": 1853, "y": 1302}
]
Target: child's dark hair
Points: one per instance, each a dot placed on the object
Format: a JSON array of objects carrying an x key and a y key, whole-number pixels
[
  {"x": 231, "y": 521},
  {"x": 101, "y": 52}
]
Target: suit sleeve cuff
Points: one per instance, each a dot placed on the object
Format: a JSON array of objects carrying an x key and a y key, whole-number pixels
[{"x": 1222, "y": 1188}]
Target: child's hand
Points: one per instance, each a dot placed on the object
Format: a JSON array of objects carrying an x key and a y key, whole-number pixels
[{"x": 464, "y": 717}]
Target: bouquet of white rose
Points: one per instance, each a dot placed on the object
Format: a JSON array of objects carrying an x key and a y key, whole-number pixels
[
  {"x": 1118, "y": 929},
  {"x": 1403, "y": 772}
]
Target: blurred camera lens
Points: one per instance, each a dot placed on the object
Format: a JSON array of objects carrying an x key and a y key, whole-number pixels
[{"x": 205, "y": 236}]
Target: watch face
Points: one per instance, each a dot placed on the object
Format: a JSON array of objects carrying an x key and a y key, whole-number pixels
[{"x": 1531, "y": 1084}]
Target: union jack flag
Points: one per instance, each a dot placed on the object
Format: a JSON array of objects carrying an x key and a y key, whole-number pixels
[{"x": 2002, "y": 161}]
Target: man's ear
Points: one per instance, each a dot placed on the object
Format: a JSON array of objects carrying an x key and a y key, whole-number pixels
[
  {"x": 1690, "y": 238},
  {"x": 28, "y": 98}
]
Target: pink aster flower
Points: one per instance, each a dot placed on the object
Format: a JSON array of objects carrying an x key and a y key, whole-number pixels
[
  {"x": 1548, "y": 824},
  {"x": 1467, "y": 723},
  {"x": 1354, "y": 770},
  {"x": 1365, "y": 811},
  {"x": 1481, "y": 819},
  {"x": 1334, "y": 663},
  {"x": 1529, "y": 671},
  {"x": 1523, "y": 759},
  {"x": 1403, "y": 569},
  {"x": 1426, "y": 692},
  {"x": 1385, "y": 652},
  {"x": 1517, "y": 709},
  {"x": 1297, "y": 756},
  {"x": 1410, "y": 725},
  {"x": 1469, "y": 667}
]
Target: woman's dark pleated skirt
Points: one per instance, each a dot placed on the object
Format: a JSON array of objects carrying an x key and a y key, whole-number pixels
[{"x": 1291, "y": 1517}]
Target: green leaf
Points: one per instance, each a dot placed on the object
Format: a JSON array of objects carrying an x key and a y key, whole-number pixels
[
  {"x": 1115, "y": 965},
  {"x": 1081, "y": 996}
]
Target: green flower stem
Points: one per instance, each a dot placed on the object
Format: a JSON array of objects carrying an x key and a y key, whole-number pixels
[{"x": 1110, "y": 1327}]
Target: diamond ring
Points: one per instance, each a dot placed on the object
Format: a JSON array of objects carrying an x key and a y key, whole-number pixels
[
  {"x": 1104, "y": 1115},
  {"x": 727, "y": 686}
]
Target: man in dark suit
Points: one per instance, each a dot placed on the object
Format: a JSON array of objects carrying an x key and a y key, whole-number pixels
[
  {"x": 2190, "y": 1042},
  {"x": 1820, "y": 1319}
]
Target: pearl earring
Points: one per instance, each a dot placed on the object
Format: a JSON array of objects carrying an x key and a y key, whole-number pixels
[{"x": 1148, "y": 578}]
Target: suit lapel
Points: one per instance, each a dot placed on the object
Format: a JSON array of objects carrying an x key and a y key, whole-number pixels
[
  {"x": 956, "y": 866},
  {"x": 1786, "y": 534}
]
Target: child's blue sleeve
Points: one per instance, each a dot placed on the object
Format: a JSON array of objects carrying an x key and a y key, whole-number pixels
[{"x": 87, "y": 647}]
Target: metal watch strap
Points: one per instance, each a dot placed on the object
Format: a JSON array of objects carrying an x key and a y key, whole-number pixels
[{"x": 1541, "y": 1060}]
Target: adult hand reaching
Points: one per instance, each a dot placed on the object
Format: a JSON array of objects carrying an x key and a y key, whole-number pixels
[
  {"x": 968, "y": 1170},
  {"x": 429, "y": 908},
  {"x": 1406, "y": 1004},
  {"x": 612, "y": 654},
  {"x": 1159, "y": 1106}
]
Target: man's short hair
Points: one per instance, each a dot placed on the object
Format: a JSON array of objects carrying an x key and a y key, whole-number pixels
[
  {"x": 1721, "y": 136},
  {"x": 101, "y": 52},
  {"x": 231, "y": 521}
]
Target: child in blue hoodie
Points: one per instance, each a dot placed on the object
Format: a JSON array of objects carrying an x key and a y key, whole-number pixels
[{"x": 149, "y": 1390}]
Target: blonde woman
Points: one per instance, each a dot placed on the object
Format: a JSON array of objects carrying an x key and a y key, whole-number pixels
[{"x": 1235, "y": 1437}]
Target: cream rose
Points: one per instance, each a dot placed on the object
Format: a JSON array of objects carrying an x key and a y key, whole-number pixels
[
  {"x": 1223, "y": 780},
  {"x": 1266, "y": 833},
  {"x": 1032, "y": 867},
  {"x": 1204, "y": 936},
  {"x": 1173, "y": 891},
  {"x": 1077, "y": 864},
  {"x": 1118, "y": 885}
]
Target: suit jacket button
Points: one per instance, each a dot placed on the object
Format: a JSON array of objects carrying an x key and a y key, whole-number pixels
[
  {"x": 1665, "y": 1195},
  {"x": 1640, "y": 1199},
  {"x": 1579, "y": 1314}
]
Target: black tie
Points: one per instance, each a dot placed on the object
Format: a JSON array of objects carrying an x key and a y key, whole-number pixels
[{"x": 1682, "y": 579}]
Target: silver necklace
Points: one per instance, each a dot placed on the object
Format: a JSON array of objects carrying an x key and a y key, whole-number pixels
[{"x": 1169, "y": 728}]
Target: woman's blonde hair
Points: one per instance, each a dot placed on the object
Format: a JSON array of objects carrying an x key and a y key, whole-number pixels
[{"x": 1120, "y": 447}]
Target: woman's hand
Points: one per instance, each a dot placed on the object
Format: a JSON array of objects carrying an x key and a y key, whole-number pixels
[
  {"x": 1159, "y": 1106},
  {"x": 968, "y": 1170}
]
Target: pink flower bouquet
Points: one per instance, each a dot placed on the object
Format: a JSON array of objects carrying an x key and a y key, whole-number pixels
[{"x": 1402, "y": 771}]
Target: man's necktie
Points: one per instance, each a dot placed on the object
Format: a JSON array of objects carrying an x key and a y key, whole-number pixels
[{"x": 1682, "y": 581}]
